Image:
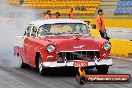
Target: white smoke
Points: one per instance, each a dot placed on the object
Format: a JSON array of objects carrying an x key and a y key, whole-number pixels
[{"x": 13, "y": 22}]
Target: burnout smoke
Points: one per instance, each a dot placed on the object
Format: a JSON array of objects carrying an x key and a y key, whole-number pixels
[{"x": 13, "y": 22}]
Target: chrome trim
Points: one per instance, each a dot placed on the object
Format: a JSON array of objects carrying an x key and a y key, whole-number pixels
[
  {"x": 79, "y": 46},
  {"x": 108, "y": 62},
  {"x": 80, "y": 55},
  {"x": 50, "y": 57},
  {"x": 106, "y": 55},
  {"x": 78, "y": 50}
]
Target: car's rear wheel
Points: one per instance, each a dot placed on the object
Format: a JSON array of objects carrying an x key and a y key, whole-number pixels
[
  {"x": 102, "y": 69},
  {"x": 40, "y": 66},
  {"x": 22, "y": 64}
]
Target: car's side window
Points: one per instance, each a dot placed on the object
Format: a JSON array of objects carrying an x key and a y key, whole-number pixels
[
  {"x": 27, "y": 32},
  {"x": 34, "y": 31}
]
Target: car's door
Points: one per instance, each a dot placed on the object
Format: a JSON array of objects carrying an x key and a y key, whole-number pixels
[
  {"x": 30, "y": 46},
  {"x": 27, "y": 44}
]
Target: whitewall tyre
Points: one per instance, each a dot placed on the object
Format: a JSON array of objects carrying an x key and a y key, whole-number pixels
[{"x": 40, "y": 67}]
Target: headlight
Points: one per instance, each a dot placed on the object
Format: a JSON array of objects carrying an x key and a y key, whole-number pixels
[
  {"x": 50, "y": 48},
  {"x": 106, "y": 46}
]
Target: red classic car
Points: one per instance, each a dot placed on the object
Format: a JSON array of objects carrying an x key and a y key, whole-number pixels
[{"x": 58, "y": 43}]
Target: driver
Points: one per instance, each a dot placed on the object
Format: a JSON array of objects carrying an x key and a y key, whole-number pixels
[{"x": 43, "y": 30}]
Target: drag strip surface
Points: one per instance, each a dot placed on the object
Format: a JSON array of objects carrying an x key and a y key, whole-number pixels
[
  {"x": 12, "y": 77},
  {"x": 120, "y": 33}
]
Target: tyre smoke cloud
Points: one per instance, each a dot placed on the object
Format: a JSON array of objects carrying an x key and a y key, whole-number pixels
[{"x": 13, "y": 22}]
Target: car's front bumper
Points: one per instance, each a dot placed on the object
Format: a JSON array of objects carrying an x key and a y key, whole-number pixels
[{"x": 70, "y": 64}]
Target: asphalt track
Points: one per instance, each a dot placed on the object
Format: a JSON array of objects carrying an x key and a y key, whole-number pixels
[
  {"x": 11, "y": 76},
  {"x": 120, "y": 33}
]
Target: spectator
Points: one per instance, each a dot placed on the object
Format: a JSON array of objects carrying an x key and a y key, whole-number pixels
[
  {"x": 82, "y": 8},
  {"x": 48, "y": 14},
  {"x": 70, "y": 14},
  {"x": 77, "y": 8},
  {"x": 57, "y": 15},
  {"x": 100, "y": 24}
]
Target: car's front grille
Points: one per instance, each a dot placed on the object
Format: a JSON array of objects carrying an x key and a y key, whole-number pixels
[{"x": 79, "y": 55}]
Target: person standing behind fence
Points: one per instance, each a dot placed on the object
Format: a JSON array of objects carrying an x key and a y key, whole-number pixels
[
  {"x": 70, "y": 14},
  {"x": 100, "y": 25},
  {"x": 57, "y": 15},
  {"x": 48, "y": 15}
]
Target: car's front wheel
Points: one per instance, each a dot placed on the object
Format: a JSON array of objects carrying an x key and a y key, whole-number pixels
[
  {"x": 40, "y": 66},
  {"x": 102, "y": 69}
]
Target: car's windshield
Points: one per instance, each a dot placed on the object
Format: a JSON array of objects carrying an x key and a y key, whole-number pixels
[{"x": 63, "y": 28}]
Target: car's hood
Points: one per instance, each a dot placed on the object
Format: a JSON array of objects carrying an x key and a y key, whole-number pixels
[{"x": 71, "y": 43}]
